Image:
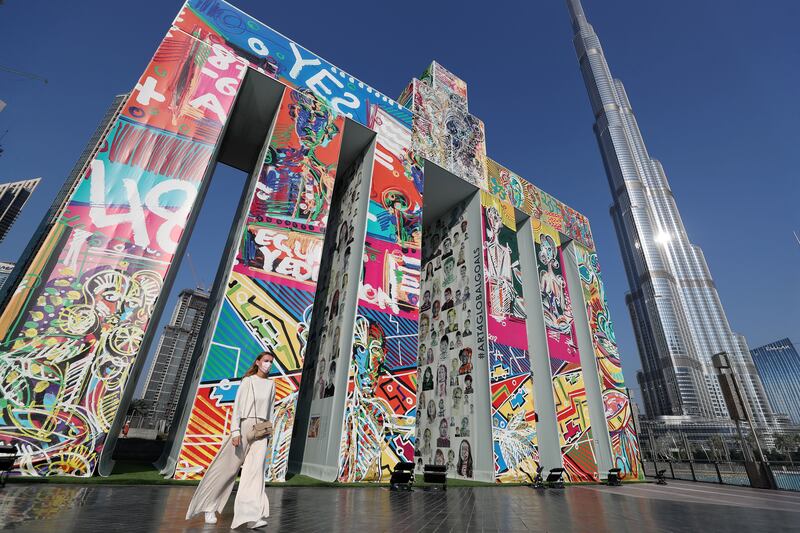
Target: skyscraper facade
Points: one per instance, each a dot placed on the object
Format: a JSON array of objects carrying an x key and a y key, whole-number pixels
[
  {"x": 5, "y": 270},
  {"x": 677, "y": 315},
  {"x": 778, "y": 364},
  {"x": 13, "y": 197},
  {"x": 167, "y": 375}
]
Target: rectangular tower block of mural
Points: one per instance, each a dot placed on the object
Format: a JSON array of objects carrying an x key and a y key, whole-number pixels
[
  {"x": 616, "y": 404},
  {"x": 380, "y": 406},
  {"x": 572, "y": 413},
  {"x": 269, "y": 293},
  {"x": 74, "y": 334},
  {"x": 73, "y": 329},
  {"x": 513, "y": 414},
  {"x": 453, "y": 420}
]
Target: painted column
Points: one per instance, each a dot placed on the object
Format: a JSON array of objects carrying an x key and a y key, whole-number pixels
[
  {"x": 583, "y": 339},
  {"x": 334, "y": 332},
  {"x": 546, "y": 423},
  {"x": 269, "y": 294},
  {"x": 381, "y": 402},
  {"x": 454, "y": 423},
  {"x": 616, "y": 404},
  {"x": 513, "y": 415},
  {"x": 572, "y": 413},
  {"x": 74, "y": 335}
]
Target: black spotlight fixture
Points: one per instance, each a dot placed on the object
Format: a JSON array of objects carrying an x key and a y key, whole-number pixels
[
  {"x": 614, "y": 479},
  {"x": 8, "y": 456},
  {"x": 555, "y": 479},
  {"x": 402, "y": 476},
  {"x": 435, "y": 476}
]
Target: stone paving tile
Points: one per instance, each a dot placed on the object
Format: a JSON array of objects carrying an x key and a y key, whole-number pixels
[{"x": 123, "y": 509}]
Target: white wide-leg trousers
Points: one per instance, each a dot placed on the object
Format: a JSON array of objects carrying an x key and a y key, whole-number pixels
[{"x": 212, "y": 493}]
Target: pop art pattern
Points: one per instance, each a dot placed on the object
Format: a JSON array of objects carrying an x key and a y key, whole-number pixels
[
  {"x": 72, "y": 330},
  {"x": 270, "y": 291},
  {"x": 381, "y": 402},
  {"x": 572, "y": 409},
  {"x": 445, "y": 133},
  {"x": 271, "y": 53},
  {"x": 516, "y": 456},
  {"x": 619, "y": 417}
]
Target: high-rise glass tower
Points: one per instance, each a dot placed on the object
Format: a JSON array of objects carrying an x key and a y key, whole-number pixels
[
  {"x": 13, "y": 197},
  {"x": 778, "y": 364},
  {"x": 172, "y": 360},
  {"x": 677, "y": 315}
]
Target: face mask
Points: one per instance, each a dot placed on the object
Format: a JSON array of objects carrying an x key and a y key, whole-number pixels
[{"x": 265, "y": 366}]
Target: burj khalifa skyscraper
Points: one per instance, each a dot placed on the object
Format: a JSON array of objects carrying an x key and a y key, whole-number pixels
[{"x": 677, "y": 315}]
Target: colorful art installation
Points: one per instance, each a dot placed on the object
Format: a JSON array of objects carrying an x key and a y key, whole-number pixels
[
  {"x": 619, "y": 416},
  {"x": 270, "y": 290},
  {"x": 513, "y": 416},
  {"x": 381, "y": 402},
  {"x": 572, "y": 409},
  {"x": 334, "y": 284},
  {"x": 446, "y": 134},
  {"x": 73, "y": 332},
  {"x": 447, "y": 349}
]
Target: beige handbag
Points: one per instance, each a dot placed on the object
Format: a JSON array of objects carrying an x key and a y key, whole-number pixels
[{"x": 260, "y": 430}]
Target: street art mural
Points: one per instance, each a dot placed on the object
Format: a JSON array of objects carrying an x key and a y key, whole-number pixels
[
  {"x": 445, "y": 133},
  {"x": 72, "y": 330},
  {"x": 619, "y": 416},
  {"x": 380, "y": 407},
  {"x": 447, "y": 351},
  {"x": 270, "y": 53},
  {"x": 572, "y": 409},
  {"x": 72, "y": 333},
  {"x": 513, "y": 416},
  {"x": 335, "y": 286},
  {"x": 269, "y": 294}
]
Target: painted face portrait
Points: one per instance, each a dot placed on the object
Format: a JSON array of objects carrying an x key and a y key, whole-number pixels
[
  {"x": 449, "y": 270},
  {"x": 424, "y": 324},
  {"x": 437, "y": 305},
  {"x": 439, "y": 458}
]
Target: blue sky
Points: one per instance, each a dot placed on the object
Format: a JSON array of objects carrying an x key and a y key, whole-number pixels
[{"x": 713, "y": 84}]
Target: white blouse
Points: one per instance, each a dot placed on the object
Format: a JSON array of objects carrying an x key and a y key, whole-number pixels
[{"x": 254, "y": 399}]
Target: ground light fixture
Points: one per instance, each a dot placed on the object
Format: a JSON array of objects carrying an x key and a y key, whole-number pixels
[
  {"x": 435, "y": 476},
  {"x": 613, "y": 479},
  {"x": 402, "y": 476},
  {"x": 555, "y": 479}
]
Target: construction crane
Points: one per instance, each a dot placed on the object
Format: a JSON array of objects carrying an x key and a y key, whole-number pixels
[
  {"x": 199, "y": 282},
  {"x": 22, "y": 73}
]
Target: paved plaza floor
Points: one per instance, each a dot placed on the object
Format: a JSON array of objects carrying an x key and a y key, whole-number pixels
[{"x": 679, "y": 506}]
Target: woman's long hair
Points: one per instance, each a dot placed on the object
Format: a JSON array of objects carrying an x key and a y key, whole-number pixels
[
  {"x": 462, "y": 464},
  {"x": 254, "y": 367}
]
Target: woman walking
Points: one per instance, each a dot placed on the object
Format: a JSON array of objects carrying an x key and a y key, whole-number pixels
[{"x": 250, "y": 430}]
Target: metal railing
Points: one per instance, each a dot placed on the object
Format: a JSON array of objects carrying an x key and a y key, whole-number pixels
[{"x": 787, "y": 475}]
